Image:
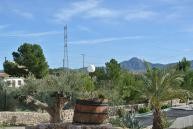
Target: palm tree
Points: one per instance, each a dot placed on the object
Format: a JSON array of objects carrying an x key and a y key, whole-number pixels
[{"x": 159, "y": 85}]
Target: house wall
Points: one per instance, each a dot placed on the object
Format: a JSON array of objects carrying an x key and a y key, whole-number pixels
[{"x": 14, "y": 82}]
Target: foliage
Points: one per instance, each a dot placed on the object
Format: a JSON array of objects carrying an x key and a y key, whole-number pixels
[
  {"x": 129, "y": 87},
  {"x": 165, "y": 106},
  {"x": 188, "y": 80},
  {"x": 100, "y": 74},
  {"x": 7, "y": 101},
  {"x": 55, "y": 71},
  {"x": 113, "y": 69},
  {"x": 183, "y": 65},
  {"x": 161, "y": 85},
  {"x": 88, "y": 86},
  {"x": 42, "y": 89},
  {"x": 29, "y": 57},
  {"x": 2, "y": 126},
  {"x": 166, "y": 123},
  {"x": 126, "y": 120},
  {"x": 14, "y": 70},
  {"x": 143, "y": 110}
]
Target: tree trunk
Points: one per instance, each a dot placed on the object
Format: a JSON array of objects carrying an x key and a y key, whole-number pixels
[
  {"x": 148, "y": 103},
  {"x": 55, "y": 116},
  {"x": 157, "y": 120},
  {"x": 54, "y": 111}
]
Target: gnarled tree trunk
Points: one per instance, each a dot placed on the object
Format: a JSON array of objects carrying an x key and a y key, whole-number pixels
[{"x": 54, "y": 111}]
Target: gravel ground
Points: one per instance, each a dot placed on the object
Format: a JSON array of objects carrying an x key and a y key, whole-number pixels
[{"x": 12, "y": 127}]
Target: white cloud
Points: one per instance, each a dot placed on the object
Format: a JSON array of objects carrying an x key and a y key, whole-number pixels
[
  {"x": 75, "y": 9},
  {"x": 24, "y": 14},
  {"x": 105, "y": 40},
  {"x": 37, "y": 34},
  {"x": 140, "y": 14},
  {"x": 102, "y": 13},
  {"x": 94, "y": 9}
]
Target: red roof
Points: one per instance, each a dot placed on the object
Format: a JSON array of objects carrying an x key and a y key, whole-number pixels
[{"x": 3, "y": 75}]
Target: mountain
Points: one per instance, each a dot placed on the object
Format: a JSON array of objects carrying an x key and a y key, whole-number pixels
[
  {"x": 134, "y": 65},
  {"x": 137, "y": 65}
]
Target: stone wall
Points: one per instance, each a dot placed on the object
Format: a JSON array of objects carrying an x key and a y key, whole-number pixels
[
  {"x": 30, "y": 118},
  {"x": 70, "y": 126},
  {"x": 74, "y": 126},
  {"x": 22, "y": 118}
]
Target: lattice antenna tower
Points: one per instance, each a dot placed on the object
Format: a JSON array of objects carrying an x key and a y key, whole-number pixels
[{"x": 65, "y": 59}]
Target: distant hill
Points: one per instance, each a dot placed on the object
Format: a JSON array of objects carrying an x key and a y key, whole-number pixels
[
  {"x": 134, "y": 65},
  {"x": 137, "y": 65}
]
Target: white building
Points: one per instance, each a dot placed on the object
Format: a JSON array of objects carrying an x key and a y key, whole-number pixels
[{"x": 14, "y": 81}]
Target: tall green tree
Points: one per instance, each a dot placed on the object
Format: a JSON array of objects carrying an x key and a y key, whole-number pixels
[
  {"x": 188, "y": 80},
  {"x": 113, "y": 69},
  {"x": 31, "y": 57},
  {"x": 100, "y": 73},
  {"x": 184, "y": 65},
  {"x": 129, "y": 87},
  {"x": 160, "y": 85},
  {"x": 13, "y": 69}
]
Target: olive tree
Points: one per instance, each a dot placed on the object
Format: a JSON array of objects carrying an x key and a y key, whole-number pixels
[{"x": 52, "y": 93}]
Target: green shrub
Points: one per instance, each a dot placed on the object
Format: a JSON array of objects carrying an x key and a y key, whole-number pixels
[
  {"x": 166, "y": 122},
  {"x": 126, "y": 121},
  {"x": 165, "y": 106},
  {"x": 2, "y": 126},
  {"x": 143, "y": 110},
  {"x": 7, "y": 101}
]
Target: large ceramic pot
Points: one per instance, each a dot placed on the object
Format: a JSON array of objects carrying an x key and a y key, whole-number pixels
[{"x": 91, "y": 111}]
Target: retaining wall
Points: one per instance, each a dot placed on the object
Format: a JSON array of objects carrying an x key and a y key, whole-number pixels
[{"x": 30, "y": 118}]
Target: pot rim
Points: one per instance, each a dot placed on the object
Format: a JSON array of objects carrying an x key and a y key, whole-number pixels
[{"x": 94, "y": 102}]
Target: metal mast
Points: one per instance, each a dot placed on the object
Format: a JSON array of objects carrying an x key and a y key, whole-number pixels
[
  {"x": 65, "y": 60},
  {"x": 83, "y": 55}
]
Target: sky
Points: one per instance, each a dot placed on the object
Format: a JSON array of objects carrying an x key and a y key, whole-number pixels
[{"x": 160, "y": 31}]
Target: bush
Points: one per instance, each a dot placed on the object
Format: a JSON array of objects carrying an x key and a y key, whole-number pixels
[
  {"x": 143, "y": 110},
  {"x": 165, "y": 121},
  {"x": 7, "y": 101},
  {"x": 126, "y": 121},
  {"x": 165, "y": 106}
]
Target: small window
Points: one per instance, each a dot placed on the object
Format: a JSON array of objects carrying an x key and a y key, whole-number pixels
[
  {"x": 8, "y": 83},
  {"x": 19, "y": 82},
  {"x": 13, "y": 83}
]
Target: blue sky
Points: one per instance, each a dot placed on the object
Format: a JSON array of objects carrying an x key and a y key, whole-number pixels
[{"x": 155, "y": 30}]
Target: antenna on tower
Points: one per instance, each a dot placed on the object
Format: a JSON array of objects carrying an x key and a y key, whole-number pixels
[{"x": 65, "y": 59}]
